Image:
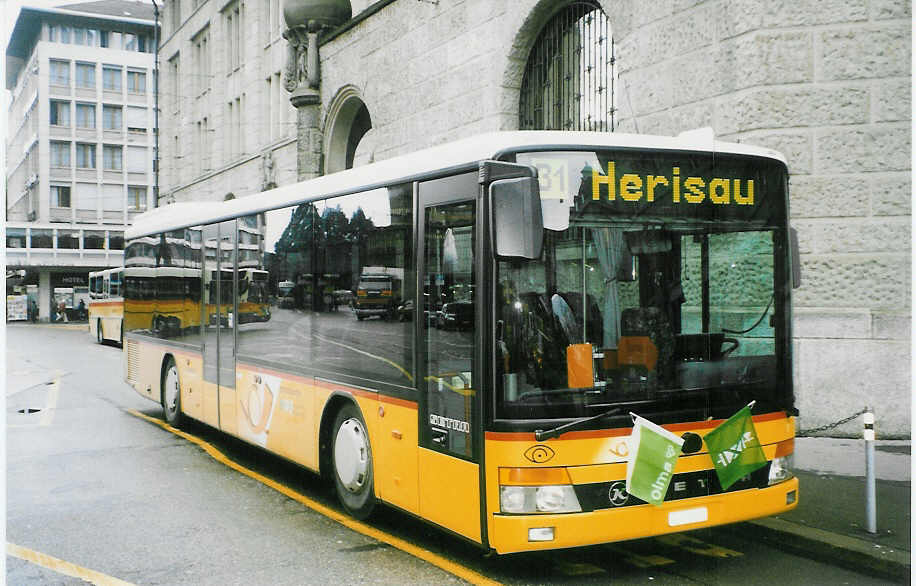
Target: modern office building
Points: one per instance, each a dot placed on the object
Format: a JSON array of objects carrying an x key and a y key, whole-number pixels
[{"x": 80, "y": 140}]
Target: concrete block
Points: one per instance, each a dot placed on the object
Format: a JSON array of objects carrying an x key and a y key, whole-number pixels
[
  {"x": 813, "y": 322},
  {"x": 793, "y": 107},
  {"x": 859, "y": 236},
  {"x": 837, "y": 378},
  {"x": 879, "y": 282},
  {"x": 891, "y": 100},
  {"x": 798, "y": 13},
  {"x": 866, "y": 148},
  {"x": 824, "y": 196},
  {"x": 864, "y": 52},
  {"x": 891, "y": 326}
]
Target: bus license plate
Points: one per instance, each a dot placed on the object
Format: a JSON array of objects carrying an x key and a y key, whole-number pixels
[{"x": 688, "y": 516}]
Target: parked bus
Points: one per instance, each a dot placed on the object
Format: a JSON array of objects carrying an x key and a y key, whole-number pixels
[
  {"x": 106, "y": 305},
  {"x": 606, "y": 274}
]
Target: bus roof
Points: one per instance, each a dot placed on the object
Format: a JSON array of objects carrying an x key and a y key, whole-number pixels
[{"x": 435, "y": 160}]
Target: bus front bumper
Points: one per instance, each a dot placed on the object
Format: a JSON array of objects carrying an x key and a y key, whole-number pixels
[{"x": 516, "y": 533}]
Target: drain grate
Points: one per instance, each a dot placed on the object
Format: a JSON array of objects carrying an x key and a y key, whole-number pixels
[{"x": 28, "y": 410}]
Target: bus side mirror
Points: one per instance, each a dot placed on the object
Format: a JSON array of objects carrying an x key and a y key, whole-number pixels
[
  {"x": 518, "y": 227},
  {"x": 796, "y": 258}
]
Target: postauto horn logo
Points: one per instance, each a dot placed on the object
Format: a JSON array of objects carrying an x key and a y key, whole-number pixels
[{"x": 539, "y": 453}]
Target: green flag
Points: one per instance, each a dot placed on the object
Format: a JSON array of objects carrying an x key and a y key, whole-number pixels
[
  {"x": 735, "y": 449},
  {"x": 653, "y": 454}
]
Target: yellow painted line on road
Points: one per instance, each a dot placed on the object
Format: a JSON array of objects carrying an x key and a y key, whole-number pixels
[
  {"x": 694, "y": 545},
  {"x": 62, "y": 567},
  {"x": 435, "y": 559},
  {"x": 369, "y": 354}
]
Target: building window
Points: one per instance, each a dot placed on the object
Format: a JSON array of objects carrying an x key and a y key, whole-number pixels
[
  {"x": 87, "y": 196},
  {"x": 175, "y": 82},
  {"x": 15, "y": 237},
  {"x": 85, "y": 155},
  {"x": 112, "y": 40},
  {"x": 137, "y": 119},
  {"x": 111, "y": 157},
  {"x": 136, "y": 82},
  {"x": 112, "y": 117},
  {"x": 60, "y": 72},
  {"x": 113, "y": 198},
  {"x": 60, "y": 154},
  {"x": 42, "y": 238},
  {"x": 137, "y": 159},
  {"x": 111, "y": 78},
  {"x": 85, "y": 115},
  {"x": 568, "y": 82},
  {"x": 60, "y": 196},
  {"x": 116, "y": 240},
  {"x": 68, "y": 239},
  {"x": 85, "y": 75},
  {"x": 232, "y": 19},
  {"x": 175, "y": 10},
  {"x": 201, "y": 73},
  {"x": 136, "y": 198},
  {"x": 94, "y": 240},
  {"x": 60, "y": 113}
]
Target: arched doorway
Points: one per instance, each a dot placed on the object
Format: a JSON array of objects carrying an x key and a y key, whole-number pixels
[
  {"x": 568, "y": 83},
  {"x": 348, "y": 122}
]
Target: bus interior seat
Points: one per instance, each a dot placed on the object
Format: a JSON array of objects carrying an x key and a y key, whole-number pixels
[{"x": 651, "y": 323}]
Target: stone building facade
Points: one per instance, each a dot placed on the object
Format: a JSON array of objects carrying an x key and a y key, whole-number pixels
[{"x": 827, "y": 84}]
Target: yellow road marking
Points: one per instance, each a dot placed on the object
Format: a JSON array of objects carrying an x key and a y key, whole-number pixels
[
  {"x": 638, "y": 560},
  {"x": 694, "y": 545},
  {"x": 369, "y": 354},
  {"x": 62, "y": 567},
  {"x": 418, "y": 552}
]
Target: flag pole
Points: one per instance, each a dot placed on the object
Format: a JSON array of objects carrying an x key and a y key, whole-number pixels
[{"x": 751, "y": 404}]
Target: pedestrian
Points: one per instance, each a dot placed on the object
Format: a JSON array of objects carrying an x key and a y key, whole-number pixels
[
  {"x": 62, "y": 312},
  {"x": 81, "y": 310}
]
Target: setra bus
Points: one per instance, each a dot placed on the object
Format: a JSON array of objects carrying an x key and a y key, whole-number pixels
[
  {"x": 604, "y": 274},
  {"x": 106, "y": 305}
]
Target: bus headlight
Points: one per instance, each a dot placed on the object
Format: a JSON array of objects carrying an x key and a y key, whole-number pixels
[
  {"x": 538, "y": 499},
  {"x": 780, "y": 470}
]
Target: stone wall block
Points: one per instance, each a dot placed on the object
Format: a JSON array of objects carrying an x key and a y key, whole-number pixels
[
  {"x": 891, "y": 326},
  {"x": 887, "y": 9},
  {"x": 824, "y": 196},
  {"x": 802, "y": 106},
  {"x": 795, "y": 145},
  {"x": 697, "y": 76},
  {"x": 796, "y": 13},
  {"x": 852, "y": 236},
  {"x": 768, "y": 58},
  {"x": 875, "y": 281},
  {"x": 862, "y": 149},
  {"x": 862, "y": 53},
  {"x": 670, "y": 37},
  {"x": 891, "y": 194},
  {"x": 837, "y": 378},
  {"x": 891, "y": 100},
  {"x": 738, "y": 17},
  {"x": 831, "y": 323}
]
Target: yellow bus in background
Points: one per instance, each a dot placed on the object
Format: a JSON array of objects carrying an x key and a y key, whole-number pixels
[
  {"x": 106, "y": 305},
  {"x": 601, "y": 273}
]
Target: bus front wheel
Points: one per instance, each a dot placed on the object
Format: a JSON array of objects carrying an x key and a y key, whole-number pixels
[
  {"x": 352, "y": 463},
  {"x": 171, "y": 393}
]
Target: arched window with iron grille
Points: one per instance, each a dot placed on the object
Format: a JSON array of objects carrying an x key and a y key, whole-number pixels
[{"x": 569, "y": 77}]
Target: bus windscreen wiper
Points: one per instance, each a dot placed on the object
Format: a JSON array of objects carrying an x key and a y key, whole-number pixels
[{"x": 541, "y": 435}]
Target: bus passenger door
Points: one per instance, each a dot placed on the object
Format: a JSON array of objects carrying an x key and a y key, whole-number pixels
[
  {"x": 219, "y": 320},
  {"x": 449, "y": 413}
]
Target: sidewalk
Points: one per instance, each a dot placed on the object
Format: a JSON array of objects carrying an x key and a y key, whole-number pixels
[{"x": 830, "y": 520}]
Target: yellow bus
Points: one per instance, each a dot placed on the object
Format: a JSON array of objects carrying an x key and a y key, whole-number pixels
[
  {"x": 106, "y": 305},
  {"x": 603, "y": 274}
]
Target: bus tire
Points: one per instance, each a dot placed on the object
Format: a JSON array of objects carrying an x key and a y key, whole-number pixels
[
  {"x": 171, "y": 393},
  {"x": 98, "y": 331},
  {"x": 121, "y": 337},
  {"x": 351, "y": 462}
]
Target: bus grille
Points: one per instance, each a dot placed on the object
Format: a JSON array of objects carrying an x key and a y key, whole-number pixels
[{"x": 133, "y": 361}]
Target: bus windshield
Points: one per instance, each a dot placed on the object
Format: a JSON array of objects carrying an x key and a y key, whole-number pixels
[{"x": 647, "y": 304}]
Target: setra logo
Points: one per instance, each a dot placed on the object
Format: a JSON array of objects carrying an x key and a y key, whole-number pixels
[
  {"x": 539, "y": 453},
  {"x": 618, "y": 494}
]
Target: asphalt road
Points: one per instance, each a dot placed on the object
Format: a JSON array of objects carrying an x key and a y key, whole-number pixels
[{"x": 105, "y": 491}]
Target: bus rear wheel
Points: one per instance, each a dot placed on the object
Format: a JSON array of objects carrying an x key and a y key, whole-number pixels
[
  {"x": 98, "y": 332},
  {"x": 171, "y": 393},
  {"x": 351, "y": 459}
]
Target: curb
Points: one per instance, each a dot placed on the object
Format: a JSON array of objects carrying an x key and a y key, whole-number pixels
[{"x": 848, "y": 552}]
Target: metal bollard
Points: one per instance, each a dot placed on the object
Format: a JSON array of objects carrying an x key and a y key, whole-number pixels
[{"x": 870, "y": 505}]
